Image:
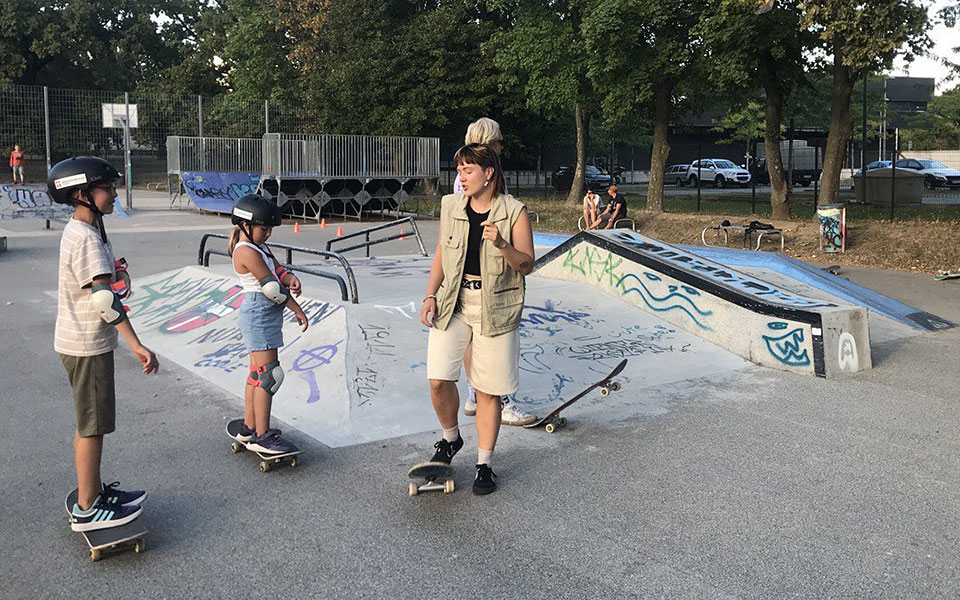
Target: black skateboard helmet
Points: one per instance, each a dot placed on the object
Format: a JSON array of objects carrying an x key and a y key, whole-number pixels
[
  {"x": 254, "y": 209},
  {"x": 80, "y": 173}
]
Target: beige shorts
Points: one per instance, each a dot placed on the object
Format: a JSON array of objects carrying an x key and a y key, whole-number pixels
[{"x": 495, "y": 365}]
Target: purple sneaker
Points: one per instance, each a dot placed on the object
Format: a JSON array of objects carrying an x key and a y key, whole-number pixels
[{"x": 271, "y": 443}]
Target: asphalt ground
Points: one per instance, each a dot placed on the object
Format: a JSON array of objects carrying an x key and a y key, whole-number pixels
[{"x": 755, "y": 484}]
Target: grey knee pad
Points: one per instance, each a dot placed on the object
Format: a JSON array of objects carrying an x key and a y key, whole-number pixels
[{"x": 269, "y": 377}]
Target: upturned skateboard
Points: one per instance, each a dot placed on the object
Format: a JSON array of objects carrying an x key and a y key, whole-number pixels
[
  {"x": 267, "y": 461},
  {"x": 553, "y": 420},
  {"x": 947, "y": 275},
  {"x": 112, "y": 539},
  {"x": 437, "y": 476}
]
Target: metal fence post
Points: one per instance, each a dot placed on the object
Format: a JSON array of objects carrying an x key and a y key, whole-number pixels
[
  {"x": 266, "y": 116},
  {"x": 46, "y": 123},
  {"x": 816, "y": 176},
  {"x": 199, "y": 116},
  {"x": 699, "y": 165},
  {"x": 126, "y": 151},
  {"x": 753, "y": 178},
  {"x": 893, "y": 179}
]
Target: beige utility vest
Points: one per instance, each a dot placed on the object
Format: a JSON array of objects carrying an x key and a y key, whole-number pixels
[{"x": 503, "y": 288}]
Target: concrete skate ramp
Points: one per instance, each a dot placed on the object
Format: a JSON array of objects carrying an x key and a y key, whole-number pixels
[
  {"x": 757, "y": 320},
  {"x": 359, "y": 372}
]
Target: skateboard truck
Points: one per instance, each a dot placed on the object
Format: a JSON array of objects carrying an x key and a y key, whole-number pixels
[{"x": 437, "y": 477}]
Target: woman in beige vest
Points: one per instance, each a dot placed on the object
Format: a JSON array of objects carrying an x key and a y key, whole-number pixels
[{"x": 475, "y": 295}]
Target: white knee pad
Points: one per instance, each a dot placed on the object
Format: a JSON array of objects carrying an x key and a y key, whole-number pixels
[{"x": 269, "y": 377}]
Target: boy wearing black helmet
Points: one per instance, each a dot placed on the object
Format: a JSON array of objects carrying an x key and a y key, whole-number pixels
[
  {"x": 268, "y": 290},
  {"x": 89, "y": 316}
]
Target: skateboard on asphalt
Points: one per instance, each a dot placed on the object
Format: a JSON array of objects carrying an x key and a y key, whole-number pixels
[
  {"x": 267, "y": 461},
  {"x": 436, "y": 475},
  {"x": 553, "y": 420},
  {"x": 113, "y": 539},
  {"x": 940, "y": 276}
]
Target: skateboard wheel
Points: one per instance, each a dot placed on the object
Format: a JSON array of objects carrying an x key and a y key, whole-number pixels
[
  {"x": 235, "y": 447},
  {"x": 448, "y": 487},
  {"x": 141, "y": 546},
  {"x": 413, "y": 489},
  {"x": 294, "y": 461},
  {"x": 615, "y": 386},
  {"x": 264, "y": 467},
  {"x": 604, "y": 391},
  {"x": 94, "y": 555},
  {"x": 550, "y": 427},
  {"x": 563, "y": 421}
]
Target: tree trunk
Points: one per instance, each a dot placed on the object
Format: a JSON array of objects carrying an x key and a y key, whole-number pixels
[
  {"x": 583, "y": 141},
  {"x": 663, "y": 98},
  {"x": 773, "y": 112},
  {"x": 840, "y": 127}
]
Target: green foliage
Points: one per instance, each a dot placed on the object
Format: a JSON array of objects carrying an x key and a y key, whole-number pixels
[{"x": 938, "y": 128}]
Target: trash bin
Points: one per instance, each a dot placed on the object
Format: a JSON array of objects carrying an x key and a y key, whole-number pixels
[
  {"x": 833, "y": 227},
  {"x": 909, "y": 187}
]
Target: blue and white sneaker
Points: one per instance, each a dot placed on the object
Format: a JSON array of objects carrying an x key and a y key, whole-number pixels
[
  {"x": 113, "y": 496},
  {"x": 470, "y": 406},
  {"x": 271, "y": 443},
  {"x": 102, "y": 516},
  {"x": 239, "y": 431}
]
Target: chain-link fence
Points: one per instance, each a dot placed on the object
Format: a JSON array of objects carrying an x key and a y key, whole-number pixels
[{"x": 50, "y": 124}]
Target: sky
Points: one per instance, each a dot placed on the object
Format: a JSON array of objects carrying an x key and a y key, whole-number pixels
[{"x": 945, "y": 40}]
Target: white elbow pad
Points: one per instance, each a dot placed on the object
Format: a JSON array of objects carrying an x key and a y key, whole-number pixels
[
  {"x": 109, "y": 304},
  {"x": 274, "y": 290}
]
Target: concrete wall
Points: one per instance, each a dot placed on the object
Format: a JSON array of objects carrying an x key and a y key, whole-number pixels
[{"x": 747, "y": 316}]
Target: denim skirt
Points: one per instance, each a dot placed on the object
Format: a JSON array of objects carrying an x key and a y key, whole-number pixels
[{"x": 261, "y": 322}]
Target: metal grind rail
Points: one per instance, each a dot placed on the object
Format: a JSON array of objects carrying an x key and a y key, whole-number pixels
[
  {"x": 368, "y": 242},
  {"x": 203, "y": 258}
]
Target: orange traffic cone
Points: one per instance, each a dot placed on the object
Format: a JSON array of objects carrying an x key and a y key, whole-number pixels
[
  {"x": 296, "y": 227},
  {"x": 401, "y": 234},
  {"x": 323, "y": 223},
  {"x": 339, "y": 231}
]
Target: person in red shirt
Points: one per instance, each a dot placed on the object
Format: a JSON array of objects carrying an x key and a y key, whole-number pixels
[{"x": 16, "y": 163}]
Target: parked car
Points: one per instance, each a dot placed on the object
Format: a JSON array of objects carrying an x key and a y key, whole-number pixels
[
  {"x": 593, "y": 178},
  {"x": 873, "y": 166},
  {"x": 935, "y": 174},
  {"x": 801, "y": 176},
  {"x": 718, "y": 171},
  {"x": 675, "y": 175}
]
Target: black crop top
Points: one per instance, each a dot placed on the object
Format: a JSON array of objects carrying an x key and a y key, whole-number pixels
[{"x": 474, "y": 239}]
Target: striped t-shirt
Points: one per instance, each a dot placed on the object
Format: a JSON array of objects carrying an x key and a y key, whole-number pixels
[{"x": 80, "y": 331}]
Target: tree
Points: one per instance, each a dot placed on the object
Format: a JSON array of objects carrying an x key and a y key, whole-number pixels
[
  {"x": 543, "y": 54},
  {"x": 939, "y": 127},
  {"x": 861, "y": 37},
  {"x": 87, "y": 44},
  {"x": 763, "y": 51},
  {"x": 646, "y": 68}
]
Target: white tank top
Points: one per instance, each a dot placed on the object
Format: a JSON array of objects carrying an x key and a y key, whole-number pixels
[{"x": 249, "y": 280}]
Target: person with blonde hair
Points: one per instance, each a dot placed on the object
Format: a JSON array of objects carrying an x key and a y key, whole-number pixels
[
  {"x": 475, "y": 296},
  {"x": 486, "y": 131}
]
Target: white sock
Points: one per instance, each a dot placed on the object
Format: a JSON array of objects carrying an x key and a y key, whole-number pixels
[
  {"x": 451, "y": 435},
  {"x": 484, "y": 456}
]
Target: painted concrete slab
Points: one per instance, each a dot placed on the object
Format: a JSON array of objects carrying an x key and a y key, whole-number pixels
[
  {"x": 359, "y": 372},
  {"x": 882, "y": 329},
  {"x": 767, "y": 325}
]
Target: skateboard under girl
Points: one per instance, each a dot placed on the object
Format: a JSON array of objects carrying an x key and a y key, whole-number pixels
[
  {"x": 267, "y": 461},
  {"x": 437, "y": 476}
]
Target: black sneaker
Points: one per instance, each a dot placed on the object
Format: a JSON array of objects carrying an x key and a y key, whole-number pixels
[
  {"x": 113, "y": 496},
  {"x": 446, "y": 450},
  {"x": 484, "y": 483}
]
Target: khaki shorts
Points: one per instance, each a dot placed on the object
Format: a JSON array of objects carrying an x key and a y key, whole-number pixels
[
  {"x": 495, "y": 366},
  {"x": 91, "y": 378}
]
